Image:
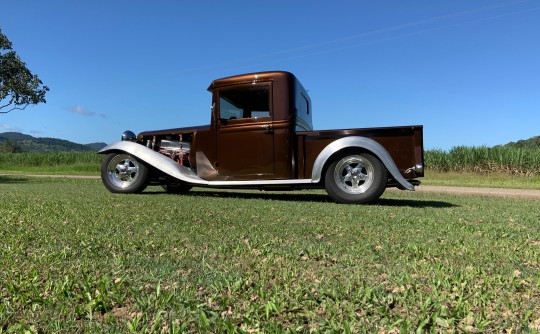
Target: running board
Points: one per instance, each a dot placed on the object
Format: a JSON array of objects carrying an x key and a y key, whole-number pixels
[{"x": 284, "y": 182}]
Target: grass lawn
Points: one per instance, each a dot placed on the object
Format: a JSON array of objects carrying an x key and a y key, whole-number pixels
[
  {"x": 76, "y": 258},
  {"x": 50, "y": 170},
  {"x": 489, "y": 180}
]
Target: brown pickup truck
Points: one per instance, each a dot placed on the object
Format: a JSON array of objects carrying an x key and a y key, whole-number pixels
[{"x": 261, "y": 136}]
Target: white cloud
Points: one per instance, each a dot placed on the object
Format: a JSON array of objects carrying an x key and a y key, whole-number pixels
[
  {"x": 7, "y": 128},
  {"x": 80, "y": 110}
]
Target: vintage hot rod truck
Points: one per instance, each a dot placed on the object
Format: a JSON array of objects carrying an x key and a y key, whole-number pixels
[{"x": 260, "y": 136}]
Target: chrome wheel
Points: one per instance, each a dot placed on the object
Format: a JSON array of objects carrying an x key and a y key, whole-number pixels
[
  {"x": 354, "y": 174},
  {"x": 123, "y": 173},
  {"x": 356, "y": 178}
]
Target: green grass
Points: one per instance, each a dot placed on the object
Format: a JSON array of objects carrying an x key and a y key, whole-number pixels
[
  {"x": 80, "y": 163},
  {"x": 488, "y": 180},
  {"x": 76, "y": 258}
]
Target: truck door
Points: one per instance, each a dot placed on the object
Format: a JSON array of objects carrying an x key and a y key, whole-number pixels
[{"x": 245, "y": 138}]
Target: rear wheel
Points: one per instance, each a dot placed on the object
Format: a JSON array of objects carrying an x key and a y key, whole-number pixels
[
  {"x": 123, "y": 173},
  {"x": 177, "y": 188},
  {"x": 356, "y": 178}
]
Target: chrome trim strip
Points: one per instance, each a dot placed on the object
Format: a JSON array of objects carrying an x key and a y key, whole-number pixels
[{"x": 363, "y": 142}]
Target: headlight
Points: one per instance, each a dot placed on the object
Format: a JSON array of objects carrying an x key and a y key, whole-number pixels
[{"x": 129, "y": 136}]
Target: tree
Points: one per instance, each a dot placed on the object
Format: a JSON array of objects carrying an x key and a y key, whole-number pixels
[
  {"x": 18, "y": 86},
  {"x": 10, "y": 146}
]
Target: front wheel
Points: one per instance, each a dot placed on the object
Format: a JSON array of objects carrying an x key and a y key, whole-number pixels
[
  {"x": 356, "y": 178},
  {"x": 123, "y": 173}
]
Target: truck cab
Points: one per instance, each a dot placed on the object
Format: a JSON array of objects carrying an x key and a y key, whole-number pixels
[{"x": 253, "y": 123}]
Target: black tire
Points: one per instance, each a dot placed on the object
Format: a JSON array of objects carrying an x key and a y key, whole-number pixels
[
  {"x": 356, "y": 178},
  {"x": 177, "y": 188},
  {"x": 123, "y": 173}
]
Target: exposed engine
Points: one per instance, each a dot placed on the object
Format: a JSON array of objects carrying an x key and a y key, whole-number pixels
[{"x": 177, "y": 150}]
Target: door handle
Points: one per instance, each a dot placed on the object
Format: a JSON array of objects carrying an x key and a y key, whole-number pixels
[{"x": 267, "y": 128}]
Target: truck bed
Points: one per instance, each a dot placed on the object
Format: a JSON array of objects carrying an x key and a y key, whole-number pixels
[{"x": 404, "y": 143}]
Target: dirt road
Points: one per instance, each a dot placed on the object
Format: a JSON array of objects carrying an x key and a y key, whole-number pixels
[{"x": 520, "y": 193}]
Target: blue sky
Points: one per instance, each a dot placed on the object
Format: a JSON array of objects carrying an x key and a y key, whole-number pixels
[{"x": 469, "y": 71}]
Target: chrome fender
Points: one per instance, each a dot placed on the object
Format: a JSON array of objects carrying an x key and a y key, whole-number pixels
[
  {"x": 156, "y": 160},
  {"x": 361, "y": 142}
]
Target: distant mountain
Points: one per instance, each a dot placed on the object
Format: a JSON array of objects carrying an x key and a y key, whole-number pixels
[
  {"x": 96, "y": 146},
  {"x": 28, "y": 143},
  {"x": 15, "y": 136},
  {"x": 526, "y": 143}
]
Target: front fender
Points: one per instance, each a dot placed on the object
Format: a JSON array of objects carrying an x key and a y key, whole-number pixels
[
  {"x": 358, "y": 142},
  {"x": 156, "y": 160}
]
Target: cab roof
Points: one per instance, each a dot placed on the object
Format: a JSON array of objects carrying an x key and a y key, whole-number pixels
[{"x": 252, "y": 78}]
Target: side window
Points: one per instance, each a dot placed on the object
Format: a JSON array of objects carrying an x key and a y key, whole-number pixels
[
  {"x": 303, "y": 105},
  {"x": 245, "y": 102}
]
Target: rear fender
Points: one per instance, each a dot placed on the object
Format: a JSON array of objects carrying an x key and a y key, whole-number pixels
[
  {"x": 156, "y": 160},
  {"x": 358, "y": 142}
]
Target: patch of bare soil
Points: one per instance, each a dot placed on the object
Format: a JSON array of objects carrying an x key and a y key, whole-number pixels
[
  {"x": 56, "y": 176},
  {"x": 502, "y": 192}
]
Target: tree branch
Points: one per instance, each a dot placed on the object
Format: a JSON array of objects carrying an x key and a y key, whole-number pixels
[{"x": 14, "y": 108}]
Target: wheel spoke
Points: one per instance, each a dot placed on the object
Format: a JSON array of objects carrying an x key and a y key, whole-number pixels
[
  {"x": 131, "y": 170},
  {"x": 124, "y": 171},
  {"x": 349, "y": 176}
]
